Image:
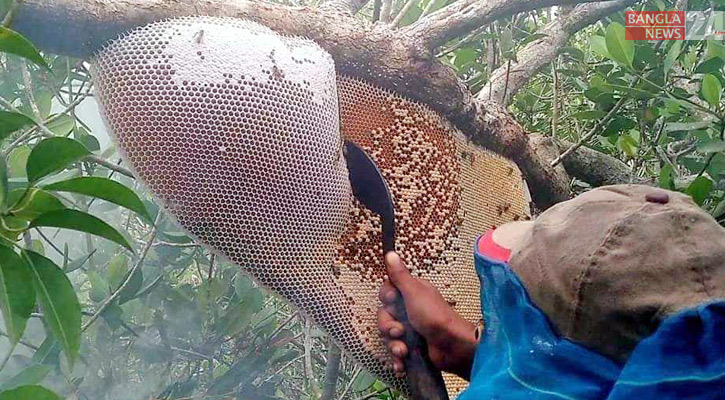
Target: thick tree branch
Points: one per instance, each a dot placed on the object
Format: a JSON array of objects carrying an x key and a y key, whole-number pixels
[
  {"x": 385, "y": 10},
  {"x": 346, "y": 6},
  {"x": 465, "y": 16},
  {"x": 599, "y": 169},
  {"x": 539, "y": 53},
  {"x": 332, "y": 371},
  {"x": 394, "y": 59}
]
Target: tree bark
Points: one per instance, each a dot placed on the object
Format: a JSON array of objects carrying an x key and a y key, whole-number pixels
[
  {"x": 401, "y": 60},
  {"x": 332, "y": 371},
  {"x": 599, "y": 169}
]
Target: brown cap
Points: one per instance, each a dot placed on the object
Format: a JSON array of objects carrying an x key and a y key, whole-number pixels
[{"x": 608, "y": 266}]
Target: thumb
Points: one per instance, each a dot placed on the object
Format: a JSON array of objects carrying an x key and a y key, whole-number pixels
[{"x": 399, "y": 274}]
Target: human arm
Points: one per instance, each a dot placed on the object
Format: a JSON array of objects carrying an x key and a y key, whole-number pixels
[{"x": 450, "y": 338}]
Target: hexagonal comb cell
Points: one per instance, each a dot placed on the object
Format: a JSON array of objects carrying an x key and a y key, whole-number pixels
[{"x": 237, "y": 131}]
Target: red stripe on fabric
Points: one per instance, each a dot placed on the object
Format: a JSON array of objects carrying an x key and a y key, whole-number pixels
[{"x": 488, "y": 248}]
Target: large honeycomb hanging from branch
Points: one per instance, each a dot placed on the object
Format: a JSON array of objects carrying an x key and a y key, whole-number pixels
[{"x": 236, "y": 131}]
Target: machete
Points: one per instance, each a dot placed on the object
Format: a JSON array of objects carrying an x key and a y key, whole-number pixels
[{"x": 370, "y": 188}]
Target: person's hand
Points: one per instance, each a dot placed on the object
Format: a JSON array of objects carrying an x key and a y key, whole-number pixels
[{"x": 451, "y": 339}]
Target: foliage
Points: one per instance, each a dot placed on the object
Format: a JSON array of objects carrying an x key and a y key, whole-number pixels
[
  {"x": 103, "y": 298},
  {"x": 669, "y": 127}
]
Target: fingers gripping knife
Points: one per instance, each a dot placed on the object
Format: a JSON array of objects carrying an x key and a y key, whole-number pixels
[{"x": 369, "y": 187}]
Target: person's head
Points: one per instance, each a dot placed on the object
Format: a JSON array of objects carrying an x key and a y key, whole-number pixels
[{"x": 608, "y": 266}]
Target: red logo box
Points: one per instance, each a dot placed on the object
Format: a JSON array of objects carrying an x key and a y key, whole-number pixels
[{"x": 654, "y": 25}]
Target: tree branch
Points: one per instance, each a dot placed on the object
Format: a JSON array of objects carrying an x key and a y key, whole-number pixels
[
  {"x": 539, "y": 53},
  {"x": 464, "y": 16},
  {"x": 385, "y": 11},
  {"x": 345, "y": 6},
  {"x": 309, "y": 371},
  {"x": 599, "y": 169},
  {"x": 392, "y": 59},
  {"x": 332, "y": 371}
]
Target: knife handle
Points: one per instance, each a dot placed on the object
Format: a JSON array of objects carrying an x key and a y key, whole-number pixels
[{"x": 425, "y": 380}]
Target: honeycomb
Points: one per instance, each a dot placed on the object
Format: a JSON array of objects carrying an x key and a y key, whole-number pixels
[
  {"x": 446, "y": 192},
  {"x": 237, "y": 131}
]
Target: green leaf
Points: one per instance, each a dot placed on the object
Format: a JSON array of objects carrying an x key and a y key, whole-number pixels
[
  {"x": 667, "y": 177},
  {"x": 634, "y": 92},
  {"x": 62, "y": 125},
  {"x": 574, "y": 53},
  {"x": 464, "y": 56},
  {"x": 687, "y": 126},
  {"x": 17, "y": 160},
  {"x": 620, "y": 49},
  {"x": 17, "y": 299},
  {"x": 52, "y": 155},
  {"x": 711, "y": 66},
  {"x": 37, "y": 246},
  {"x": 412, "y": 15},
  {"x": 715, "y": 49},
  {"x": 61, "y": 310},
  {"x": 77, "y": 263},
  {"x": 3, "y": 183},
  {"x": 146, "y": 289},
  {"x": 628, "y": 145},
  {"x": 29, "y": 376},
  {"x": 242, "y": 284},
  {"x": 14, "y": 43},
  {"x": 44, "y": 101},
  {"x": 117, "y": 270},
  {"x": 699, "y": 189},
  {"x": 506, "y": 42},
  {"x": 716, "y": 169},
  {"x": 29, "y": 393},
  {"x": 112, "y": 315},
  {"x": 99, "y": 287},
  {"x": 363, "y": 381},
  {"x": 31, "y": 203},
  {"x": 711, "y": 89},
  {"x": 11, "y": 122},
  {"x": 11, "y": 227},
  {"x": 208, "y": 293},
  {"x": 716, "y": 146},
  {"x": 240, "y": 315},
  {"x": 80, "y": 221},
  {"x": 672, "y": 55},
  {"x": 589, "y": 114},
  {"x": 48, "y": 352},
  {"x": 598, "y": 44},
  {"x": 103, "y": 188},
  {"x": 134, "y": 285},
  {"x": 719, "y": 210},
  {"x": 88, "y": 140}
]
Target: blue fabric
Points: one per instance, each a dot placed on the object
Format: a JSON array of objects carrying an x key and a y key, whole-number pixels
[
  {"x": 683, "y": 359},
  {"x": 520, "y": 357}
]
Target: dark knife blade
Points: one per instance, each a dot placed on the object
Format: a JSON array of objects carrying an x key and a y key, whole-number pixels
[{"x": 370, "y": 188}]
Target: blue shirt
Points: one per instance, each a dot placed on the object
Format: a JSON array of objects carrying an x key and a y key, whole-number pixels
[{"x": 520, "y": 357}]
